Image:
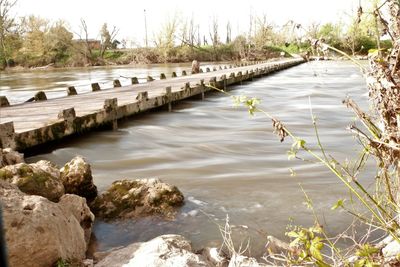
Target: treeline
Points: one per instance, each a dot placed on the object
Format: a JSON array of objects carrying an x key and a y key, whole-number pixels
[{"x": 33, "y": 41}]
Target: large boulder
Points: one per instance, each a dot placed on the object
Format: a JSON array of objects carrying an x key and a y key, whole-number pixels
[
  {"x": 76, "y": 176},
  {"x": 132, "y": 198},
  {"x": 10, "y": 157},
  {"x": 41, "y": 178},
  {"x": 39, "y": 232},
  {"x": 166, "y": 250}
]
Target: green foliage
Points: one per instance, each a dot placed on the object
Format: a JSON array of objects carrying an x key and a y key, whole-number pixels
[
  {"x": 61, "y": 263},
  {"x": 249, "y": 103},
  {"x": 307, "y": 245},
  {"x": 367, "y": 255}
]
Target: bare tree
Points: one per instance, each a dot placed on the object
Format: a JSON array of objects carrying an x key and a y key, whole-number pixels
[
  {"x": 6, "y": 24},
  {"x": 214, "y": 36},
  {"x": 228, "y": 33},
  {"x": 83, "y": 46}
]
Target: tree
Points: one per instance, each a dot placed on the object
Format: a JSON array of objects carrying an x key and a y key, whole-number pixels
[
  {"x": 228, "y": 33},
  {"x": 58, "y": 41},
  {"x": 83, "y": 46},
  {"x": 215, "y": 37},
  {"x": 7, "y": 31},
  {"x": 331, "y": 33},
  {"x": 34, "y": 51},
  {"x": 165, "y": 39},
  {"x": 107, "y": 38}
]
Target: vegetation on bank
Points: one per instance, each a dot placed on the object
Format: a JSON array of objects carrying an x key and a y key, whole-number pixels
[
  {"x": 377, "y": 131},
  {"x": 34, "y": 41}
]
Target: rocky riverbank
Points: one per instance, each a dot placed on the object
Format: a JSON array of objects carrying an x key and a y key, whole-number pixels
[{"x": 49, "y": 212}]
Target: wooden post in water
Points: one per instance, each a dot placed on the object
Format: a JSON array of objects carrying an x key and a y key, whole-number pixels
[
  {"x": 173, "y": 74},
  {"x": 162, "y": 76},
  {"x": 184, "y": 73},
  {"x": 150, "y": 79}
]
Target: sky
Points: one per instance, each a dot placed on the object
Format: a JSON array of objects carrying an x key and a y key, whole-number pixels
[{"x": 128, "y": 15}]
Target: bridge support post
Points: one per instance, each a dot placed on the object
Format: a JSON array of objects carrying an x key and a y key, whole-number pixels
[
  {"x": 68, "y": 115},
  {"x": 4, "y": 101},
  {"x": 223, "y": 79},
  {"x": 134, "y": 80},
  {"x": 7, "y": 135},
  {"x": 95, "y": 87},
  {"x": 71, "y": 91},
  {"x": 116, "y": 83},
  {"x": 111, "y": 110},
  {"x": 168, "y": 93},
  {"x": 202, "y": 89}
]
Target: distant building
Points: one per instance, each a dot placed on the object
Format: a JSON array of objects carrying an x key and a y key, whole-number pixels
[{"x": 93, "y": 44}]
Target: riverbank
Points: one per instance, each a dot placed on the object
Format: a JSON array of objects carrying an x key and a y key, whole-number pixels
[{"x": 152, "y": 55}]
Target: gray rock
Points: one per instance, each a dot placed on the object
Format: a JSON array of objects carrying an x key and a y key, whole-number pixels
[
  {"x": 10, "y": 157},
  {"x": 76, "y": 176},
  {"x": 392, "y": 249},
  {"x": 41, "y": 178},
  {"x": 39, "y": 232},
  {"x": 243, "y": 261},
  {"x": 213, "y": 257},
  {"x": 132, "y": 198},
  {"x": 162, "y": 251}
]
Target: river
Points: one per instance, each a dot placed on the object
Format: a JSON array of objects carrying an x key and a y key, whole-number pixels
[{"x": 223, "y": 160}]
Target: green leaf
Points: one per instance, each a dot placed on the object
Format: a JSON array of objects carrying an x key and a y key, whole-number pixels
[
  {"x": 367, "y": 250},
  {"x": 292, "y": 234},
  {"x": 359, "y": 263},
  {"x": 322, "y": 264},
  {"x": 316, "y": 253},
  {"x": 339, "y": 204}
]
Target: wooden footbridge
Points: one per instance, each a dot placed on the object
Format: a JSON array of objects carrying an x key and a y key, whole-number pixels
[{"x": 35, "y": 123}]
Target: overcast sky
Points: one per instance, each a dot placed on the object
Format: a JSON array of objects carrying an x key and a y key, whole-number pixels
[{"x": 128, "y": 15}]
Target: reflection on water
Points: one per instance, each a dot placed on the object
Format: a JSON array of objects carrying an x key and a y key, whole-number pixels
[{"x": 226, "y": 162}]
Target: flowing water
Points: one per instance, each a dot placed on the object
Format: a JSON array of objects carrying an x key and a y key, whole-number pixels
[{"x": 225, "y": 161}]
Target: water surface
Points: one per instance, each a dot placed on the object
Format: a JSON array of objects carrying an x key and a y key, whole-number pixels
[{"x": 227, "y": 162}]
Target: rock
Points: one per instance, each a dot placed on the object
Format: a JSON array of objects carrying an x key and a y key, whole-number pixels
[
  {"x": 243, "y": 261},
  {"x": 213, "y": 257},
  {"x": 391, "y": 250},
  {"x": 132, "y": 198},
  {"x": 87, "y": 263},
  {"x": 76, "y": 176},
  {"x": 77, "y": 207},
  {"x": 39, "y": 232},
  {"x": 10, "y": 157},
  {"x": 41, "y": 178},
  {"x": 166, "y": 250},
  {"x": 277, "y": 246}
]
